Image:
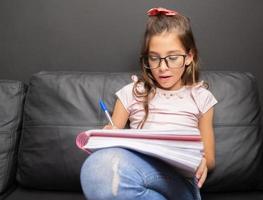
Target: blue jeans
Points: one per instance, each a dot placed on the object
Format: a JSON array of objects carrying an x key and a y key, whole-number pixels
[{"x": 121, "y": 174}]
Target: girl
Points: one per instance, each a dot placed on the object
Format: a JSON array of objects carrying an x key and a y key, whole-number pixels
[{"x": 167, "y": 96}]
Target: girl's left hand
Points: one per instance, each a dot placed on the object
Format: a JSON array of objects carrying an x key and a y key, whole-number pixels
[{"x": 201, "y": 173}]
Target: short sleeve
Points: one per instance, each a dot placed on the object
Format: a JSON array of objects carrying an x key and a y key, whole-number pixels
[
  {"x": 125, "y": 95},
  {"x": 203, "y": 97}
]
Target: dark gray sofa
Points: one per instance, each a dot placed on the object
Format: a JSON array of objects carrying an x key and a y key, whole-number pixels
[{"x": 39, "y": 123}]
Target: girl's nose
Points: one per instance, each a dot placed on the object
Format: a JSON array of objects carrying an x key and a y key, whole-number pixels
[{"x": 163, "y": 65}]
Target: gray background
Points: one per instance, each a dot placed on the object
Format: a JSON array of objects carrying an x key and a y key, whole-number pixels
[{"x": 105, "y": 35}]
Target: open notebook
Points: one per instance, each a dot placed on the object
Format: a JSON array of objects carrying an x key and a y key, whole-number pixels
[{"x": 181, "y": 148}]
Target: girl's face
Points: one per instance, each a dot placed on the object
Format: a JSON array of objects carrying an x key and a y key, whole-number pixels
[{"x": 162, "y": 45}]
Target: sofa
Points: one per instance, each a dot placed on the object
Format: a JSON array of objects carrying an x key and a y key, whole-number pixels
[{"x": 39, "y": 122}]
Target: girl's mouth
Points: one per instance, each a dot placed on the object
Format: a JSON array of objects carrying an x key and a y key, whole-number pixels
[{"x": 164, "y": 77}]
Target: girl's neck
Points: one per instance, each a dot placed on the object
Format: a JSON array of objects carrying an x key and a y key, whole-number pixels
[
  {"x": 171, "y": 90},
  {"x": 178, "y": 87}
]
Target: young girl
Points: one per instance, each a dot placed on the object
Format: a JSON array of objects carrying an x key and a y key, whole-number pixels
[{"x": 167, "y": 96}]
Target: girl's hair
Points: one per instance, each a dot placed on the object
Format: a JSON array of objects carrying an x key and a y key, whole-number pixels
[{"x": 156, "y": 25}]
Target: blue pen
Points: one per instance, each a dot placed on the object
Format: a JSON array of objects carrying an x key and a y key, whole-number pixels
[{"x": 104, "y": 108}]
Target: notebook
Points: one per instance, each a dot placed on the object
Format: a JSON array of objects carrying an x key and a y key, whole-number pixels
[{"x": 182, "y": 149}]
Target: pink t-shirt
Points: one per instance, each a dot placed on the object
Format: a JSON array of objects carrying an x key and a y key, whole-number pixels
[{"x": 168, "y": 110}]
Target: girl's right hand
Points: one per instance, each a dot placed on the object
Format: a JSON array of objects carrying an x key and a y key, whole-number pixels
[{"x": 109, "y": 127}]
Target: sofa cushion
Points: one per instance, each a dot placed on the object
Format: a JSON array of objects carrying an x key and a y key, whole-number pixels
[
  {"x": 237, "y": 131},
  {"x": 61, "y": 104},
  {"x": 28, "y": 194},
  {"x": 58, "y": 106},
  {"x": 12, "y": 95}
]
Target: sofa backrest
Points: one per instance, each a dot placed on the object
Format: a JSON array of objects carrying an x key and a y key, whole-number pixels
[
  {"x": 237, "y": 132},
  {"x": 59, "y": 105},
  {"x": 12, "y": 94}
]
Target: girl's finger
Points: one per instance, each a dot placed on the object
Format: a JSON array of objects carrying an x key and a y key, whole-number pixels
[
  {"x": 201, "y": 168},
  {"x": 202, "y": 178},
  {"x": 108, "y": 127}
]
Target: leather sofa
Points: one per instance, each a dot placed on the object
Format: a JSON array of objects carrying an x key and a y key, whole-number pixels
[{"x": 39, "y": 122}]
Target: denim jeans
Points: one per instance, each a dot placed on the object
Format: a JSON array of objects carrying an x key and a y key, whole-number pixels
[{"x": 121, "y": 174}]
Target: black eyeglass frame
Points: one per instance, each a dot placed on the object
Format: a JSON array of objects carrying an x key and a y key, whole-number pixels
[{"x": 145, "y": 61}]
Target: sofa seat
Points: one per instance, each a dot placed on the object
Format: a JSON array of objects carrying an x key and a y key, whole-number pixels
[
  {"x": 27, "y": 194},
  {"x": 21, "y": 193}
]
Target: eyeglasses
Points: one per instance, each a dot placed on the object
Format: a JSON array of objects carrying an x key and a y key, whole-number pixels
[{"x": 172, "y": 61}]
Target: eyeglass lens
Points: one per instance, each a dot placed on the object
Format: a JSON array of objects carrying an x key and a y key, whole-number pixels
[{"x": 172, "y": 61}]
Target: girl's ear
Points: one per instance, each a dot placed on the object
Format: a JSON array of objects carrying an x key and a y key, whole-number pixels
[{"x": 189, "y": 58}]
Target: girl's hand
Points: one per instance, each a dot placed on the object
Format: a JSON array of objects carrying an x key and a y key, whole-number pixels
[
  {"x": 201, "y": 173},
  {"x": 109, "y": 127}
]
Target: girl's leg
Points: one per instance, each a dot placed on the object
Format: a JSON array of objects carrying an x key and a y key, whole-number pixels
[{"x": 119, "y": 174}]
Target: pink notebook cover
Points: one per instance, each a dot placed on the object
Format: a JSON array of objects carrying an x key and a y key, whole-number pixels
[{"x": 83, "y": 137}]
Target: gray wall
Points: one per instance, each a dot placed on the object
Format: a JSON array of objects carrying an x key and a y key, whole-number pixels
[{"x": 105, "y": 35}]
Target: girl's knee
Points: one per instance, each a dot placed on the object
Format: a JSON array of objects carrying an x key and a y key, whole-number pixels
[
  {"x": 100, "y": 165},
  {"x": 103, "y": 159},
  {"x": 100, "y": 176}
]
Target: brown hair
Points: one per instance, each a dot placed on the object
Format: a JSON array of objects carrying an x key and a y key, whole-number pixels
[{"x": 156, "y": 25}]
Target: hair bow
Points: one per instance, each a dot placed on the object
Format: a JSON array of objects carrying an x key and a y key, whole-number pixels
[{"x": 161, "y": 11}]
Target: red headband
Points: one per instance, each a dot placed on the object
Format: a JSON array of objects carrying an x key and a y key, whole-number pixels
[{"x": 161, "y": 11}]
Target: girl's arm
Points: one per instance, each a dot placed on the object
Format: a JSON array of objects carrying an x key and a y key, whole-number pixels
[
  {"x": 207, "y": 133},
  {"x": 119, "y": 116}
]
